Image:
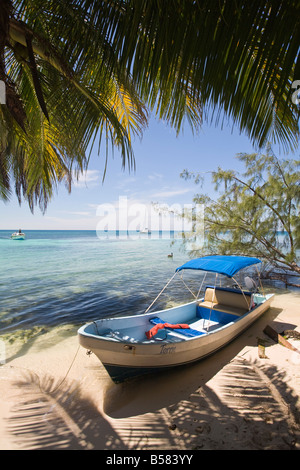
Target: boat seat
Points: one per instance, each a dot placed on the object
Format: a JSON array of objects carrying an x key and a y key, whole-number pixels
[
  {"x": 235, "y": 303},
  {"x": 224, "y": 308},
  {"x": 185, "y": 332}
]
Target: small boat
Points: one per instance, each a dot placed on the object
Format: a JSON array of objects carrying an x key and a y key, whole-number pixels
[
  {"x": 146, "y": 231},
  {"x": 133, "y": 345},
  {"x": 18, "y": 235}
]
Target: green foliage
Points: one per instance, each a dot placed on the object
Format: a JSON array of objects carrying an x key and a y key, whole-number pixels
[
  {"x": 257, "y": 213},
  {"x": 80, "y": 71},
  {"x": 234, "y": 57},
  {"x": 62, "y": 97}
]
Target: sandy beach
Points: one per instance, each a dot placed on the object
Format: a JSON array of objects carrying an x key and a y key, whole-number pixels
[{"x": 54, "y": 396}]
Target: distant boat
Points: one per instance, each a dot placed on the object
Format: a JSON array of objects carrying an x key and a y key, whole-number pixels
[
  {"x": 137, "y": 344},
  {"x": 145, "y": 231},
  {"x": 18, "y": 235}
]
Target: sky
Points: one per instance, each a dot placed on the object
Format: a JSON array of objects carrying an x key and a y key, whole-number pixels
[{"x": 125, "y": 199}]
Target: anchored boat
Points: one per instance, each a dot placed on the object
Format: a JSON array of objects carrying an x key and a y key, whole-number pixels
[
  {"x": 134, "y": 345},
  {"x": 18, "y": 235}
]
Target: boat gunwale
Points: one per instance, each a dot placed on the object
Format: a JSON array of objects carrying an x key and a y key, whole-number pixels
[{"x": 151, "y": 342}]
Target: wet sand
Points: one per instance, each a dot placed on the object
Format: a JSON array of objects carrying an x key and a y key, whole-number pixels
[{"x": 54, "y": 396}]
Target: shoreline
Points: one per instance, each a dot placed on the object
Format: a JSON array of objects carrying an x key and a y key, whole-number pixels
[{"x": 54, "y": 396}]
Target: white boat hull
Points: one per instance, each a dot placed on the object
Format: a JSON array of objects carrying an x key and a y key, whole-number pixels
[
  {"x": 129, "y": 353},
  {"x": 18, "y": 237}
]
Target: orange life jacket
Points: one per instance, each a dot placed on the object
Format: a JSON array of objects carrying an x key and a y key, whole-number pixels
[{"x": 160, "y": 326}]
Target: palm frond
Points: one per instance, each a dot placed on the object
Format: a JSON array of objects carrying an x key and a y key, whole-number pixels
[
  {"x": 238, "y": 56},
  {"x": 94, "y": 67}
]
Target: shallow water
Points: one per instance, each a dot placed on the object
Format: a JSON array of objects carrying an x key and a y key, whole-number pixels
[{"x": 71, "y": 277}]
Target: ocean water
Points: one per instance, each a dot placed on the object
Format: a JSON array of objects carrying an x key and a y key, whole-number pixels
[
  {"x": 56, "y": 278},
  {"x": 71, "y": 277}
]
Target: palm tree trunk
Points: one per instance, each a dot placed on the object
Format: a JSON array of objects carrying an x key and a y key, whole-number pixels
[
  {"x": 5, "y": 13},
  {"x": 13, "y": 101}
]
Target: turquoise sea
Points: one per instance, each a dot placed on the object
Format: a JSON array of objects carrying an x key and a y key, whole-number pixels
[
  {"x": 56, "y": 278},
  {"x": 71, "y": 277}
]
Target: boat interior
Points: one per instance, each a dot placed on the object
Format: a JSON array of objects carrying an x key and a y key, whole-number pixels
[{"x": 219, "y": 307}]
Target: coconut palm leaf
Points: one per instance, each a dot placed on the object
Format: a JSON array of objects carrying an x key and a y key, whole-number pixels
[
  {"x": 240, "y": 57},
  {"x": 78, "y": 100},
  {"x": 93, "y": 66}
]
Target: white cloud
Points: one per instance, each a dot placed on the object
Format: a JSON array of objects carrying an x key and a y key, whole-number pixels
[
  {"x": 155, "y": 176},
  {"x": 170, "y": 193},
  {"x": 84, "y": 213},
  {"x": 87, "y": 179}
]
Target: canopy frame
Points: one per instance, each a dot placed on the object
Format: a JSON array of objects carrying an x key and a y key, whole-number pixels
[{"x": 213, "y": 263}]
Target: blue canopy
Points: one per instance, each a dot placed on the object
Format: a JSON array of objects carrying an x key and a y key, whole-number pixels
[{"x": 227, "y": 265}]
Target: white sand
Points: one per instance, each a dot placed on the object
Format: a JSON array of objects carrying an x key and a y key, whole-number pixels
[{"x": 232, "y": 400}]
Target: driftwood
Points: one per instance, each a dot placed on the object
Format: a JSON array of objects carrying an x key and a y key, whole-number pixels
[{"x": 278, "y": 338}]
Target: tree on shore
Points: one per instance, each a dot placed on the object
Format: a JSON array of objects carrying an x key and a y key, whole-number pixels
[
  {"x": 78, "y": 70},
  {"x": 255, "y": 214}
]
